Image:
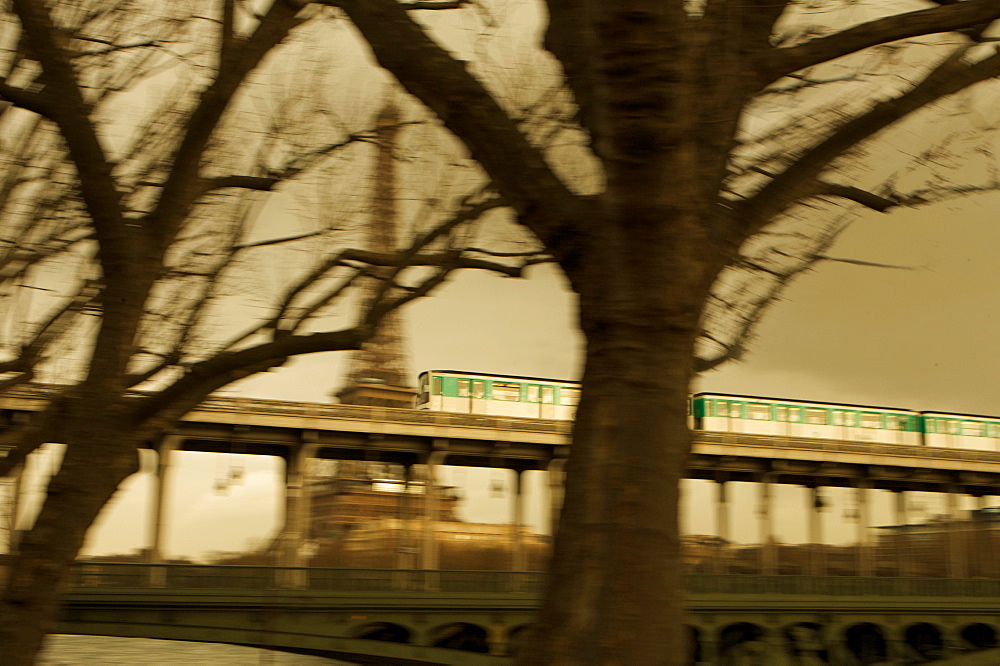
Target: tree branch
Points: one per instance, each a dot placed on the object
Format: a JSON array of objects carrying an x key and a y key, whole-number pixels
[
  {"x": 72, "y": 114},
  {"x": 183, "y": 186},
  {"x": 799, "y": 180},
  {"x": 944, "y": 18},
  {"x": 518, "y": 170},
  {"x": 857, "y": 195}
]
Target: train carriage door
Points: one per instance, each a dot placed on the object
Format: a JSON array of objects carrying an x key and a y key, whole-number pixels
[
  {"x": 735, "y": 416},
  {"x": 479, "y": 404},
  {"x": 463, "y": 397},
  {"x": 547, "y": 406}
]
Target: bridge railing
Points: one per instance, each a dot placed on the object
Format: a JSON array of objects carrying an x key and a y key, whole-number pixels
[
  {"x": 841, "y": 586},
  {"x": 228, "y": 577}
]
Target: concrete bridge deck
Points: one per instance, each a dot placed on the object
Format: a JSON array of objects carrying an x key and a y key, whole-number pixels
[{"x": 408, "y": 436}]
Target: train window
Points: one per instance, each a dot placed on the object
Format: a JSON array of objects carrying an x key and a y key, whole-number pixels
[
  {"x": 736, "y": 410},
  {"x": 973, "y": 428},
  {"x": 506, "y": 391},
  {"x": 548, "y": 395},
  {"x": 478, "y": 388},
  {"x": 436, "y": 384},
  {"x": 569, "y": 396},
  {"x": 463, "y": 388},
  {"x": 838, "y": 418},
  {"x": 721, "y": 409},
  {"x": 816, "y": 416},
  {"x": 870, "y": 420},
  {"x": 781, "y": 413},
  {"x": 759, "y": 412},
  {"x": 895, "y": 422},
  {"x": 532, "y": 394},
  {"x": 952, "y": 427}
]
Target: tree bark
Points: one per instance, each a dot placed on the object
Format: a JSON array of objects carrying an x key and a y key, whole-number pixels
[
  {"x": 40, "y": 572},
  {"x": 614, "y": 591}
]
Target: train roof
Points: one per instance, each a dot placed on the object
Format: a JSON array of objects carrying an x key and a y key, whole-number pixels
[
  {"x": 962, "y": 416},
  {"x": 470, "y": 373},
  {"x": 761, "y": 398}
]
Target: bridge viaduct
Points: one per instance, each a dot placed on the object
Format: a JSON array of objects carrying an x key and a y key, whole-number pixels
[{"x": 296, "y": 432}]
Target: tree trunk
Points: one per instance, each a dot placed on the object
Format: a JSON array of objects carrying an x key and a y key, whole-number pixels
[
  {"x": 614, "y": 591},
  {"x": 40, "y": 571}
]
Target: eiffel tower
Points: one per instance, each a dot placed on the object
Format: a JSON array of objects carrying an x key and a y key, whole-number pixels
[{"x": 377, "y": 373}]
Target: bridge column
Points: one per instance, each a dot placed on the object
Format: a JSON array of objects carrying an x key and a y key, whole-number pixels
[
  {"x": 429, "y": 558},
  {"x": 957, "y": 552},
  {"x": 768, "y": 564},
  {"x": 897, "y": 649},
  {"x": 518, "y": 560},
  {"x": 496, "y": 639},
  {"x": 984, "y": 543},
  {"x": 865, "y": 563},
  {"x": 405, "y": 549},
  {"x": 156, "y": 524},
  {"x": 557, "y": 492},
  {"x": 722, "y": 527},
  {"x": 709, "y": 645},
  {"x": 14, "y": 483},
  {"x": 774, "y": 647},
  {"x": 900, "y": 537},
  {"x": 295, "y": 532},
  {"x": 817, "y": 565}
]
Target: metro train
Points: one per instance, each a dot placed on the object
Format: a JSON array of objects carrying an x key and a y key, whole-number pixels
[{"x": 533, "y": 397}]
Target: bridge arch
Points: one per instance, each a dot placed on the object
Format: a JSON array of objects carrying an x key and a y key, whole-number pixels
[
  {"x": 693, "y": 645},
  {"x": 463, "y": 636},
  {"x": 805, "y": 641},
  {"x": 979, "y": 636},
  {"x": 867, "y": 642},
  {"x": 926, "y": 640},
  {"x": 382, "y": 631},
  {"x": 515, "y": 636},
  {"x": 740, "y": 641}
]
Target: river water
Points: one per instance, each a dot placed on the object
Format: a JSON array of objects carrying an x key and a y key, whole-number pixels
[{"x": 64, "y": 650}]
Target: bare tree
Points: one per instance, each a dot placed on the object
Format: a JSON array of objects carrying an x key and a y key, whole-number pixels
[
  {"x": 728, "y": 138},
  {"x": 140, "y": 143}
]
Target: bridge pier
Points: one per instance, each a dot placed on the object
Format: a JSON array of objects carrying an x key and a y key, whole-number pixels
[
  {"x": 957, "y": 565},
  {"x": 157, "y": 517},
  {"x": 900, "y": 538},
  {"x": 817, "y": 564},
  {"x": 429, "y": 555},
  {"x": 983, "y": 548},
  {"x": 722, "y": 527},
  {"x": 768, "y": 563},
  {"x": 518, "y": 560},
  {"x": 557, "y": 477},
  {"x": 294, "y": 533},
  {"x": 865, "y": 561},
  {"x": 496, "y": 639}
]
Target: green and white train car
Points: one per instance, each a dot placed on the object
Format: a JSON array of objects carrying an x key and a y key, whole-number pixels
[
  {"x": 798, "y": 418},
  {"x": 961, "y": 431},
  {"x": 497, "y": 395},
  {"x": 534, "y": 397}
]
